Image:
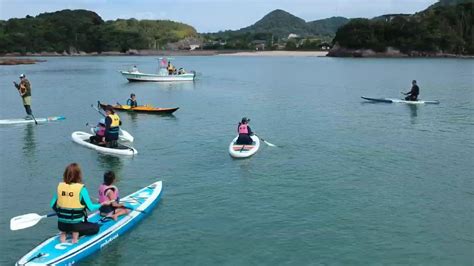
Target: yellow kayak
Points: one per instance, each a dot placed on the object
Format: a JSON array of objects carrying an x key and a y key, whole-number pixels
[{"x": 141, "y": 109}]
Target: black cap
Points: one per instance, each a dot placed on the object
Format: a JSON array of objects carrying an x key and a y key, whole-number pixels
[{"x": 245, "y": 120}]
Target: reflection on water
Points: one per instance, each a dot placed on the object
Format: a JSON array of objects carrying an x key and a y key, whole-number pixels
[
  {"x": 185, "y": 85},
  {"x": 111, "y": 163},
  {"x": 413, "y": 112},
  {"x": 133, "y": 117},
  {"x": 29, "y": 142}
]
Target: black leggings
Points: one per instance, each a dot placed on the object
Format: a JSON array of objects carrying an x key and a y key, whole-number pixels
[
  {"x": 411, "y": 98},
  {"x": 28, "y": 109},
  {"x": 244, "y": 139},
  {"x": 84, "y": 228}
]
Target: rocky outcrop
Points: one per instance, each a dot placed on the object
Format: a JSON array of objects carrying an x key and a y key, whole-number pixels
[
  {"x": 338, "y": 51},
  {"x": 17, "y": 61}
]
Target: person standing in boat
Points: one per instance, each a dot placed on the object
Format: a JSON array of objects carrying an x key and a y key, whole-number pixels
[
  {"x": 244, "y": 132},
  {"x": 71, "y": 202},
  {"x": 132, "y": 102},
  {"x": 112, "y": 127},
  {"x": 413, "y": 94},
  {"x": 24, "y": 88},
  {"x": 134, "y": 69}
]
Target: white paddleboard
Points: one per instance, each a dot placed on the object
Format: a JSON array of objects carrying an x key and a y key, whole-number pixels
[
  {"x": 244, "y": 151},
  {"x": 82, "y": 138},
  {"x": 25, "y": 121}
]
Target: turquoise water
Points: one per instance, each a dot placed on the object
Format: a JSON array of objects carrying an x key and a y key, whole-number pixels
[{"x": 350, "y": 183}]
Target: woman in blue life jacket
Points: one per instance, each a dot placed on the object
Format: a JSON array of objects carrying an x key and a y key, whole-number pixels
[
  {"x": 244, "y": 132},
  {"x": 112, "y": 127},
  {"x": 71, "y": 202}
]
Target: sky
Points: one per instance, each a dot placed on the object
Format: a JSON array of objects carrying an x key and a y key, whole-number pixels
[{"x": 214, "y": 15}]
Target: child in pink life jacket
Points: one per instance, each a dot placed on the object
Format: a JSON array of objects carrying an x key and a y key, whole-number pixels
[
  {"x": 109, "y": 192},
  {"x": 244, "y": 132},
  {"x": 99, "y": 130}
]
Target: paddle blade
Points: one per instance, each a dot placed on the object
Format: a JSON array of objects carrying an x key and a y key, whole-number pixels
[
  {"x": 125, "y": 136},
  {"x": 269, "y": 144},
  {"x": 24, "y": 221}
]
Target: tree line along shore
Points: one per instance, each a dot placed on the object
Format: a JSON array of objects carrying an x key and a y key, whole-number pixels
[{"x": 442, "y": 30}]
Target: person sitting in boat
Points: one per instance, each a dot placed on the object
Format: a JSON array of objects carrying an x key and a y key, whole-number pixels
[
  {"x": 171, "y": 68},
  {"x": 99, "y": 130},
  {"x": 132, "y": 102},
  {"x": 110, "y": 193},
  {"x": 112, "y": 127},
  {"x": 134, "y": 69},
  {"x": 71, "y": 202},
  {"x": 181, "y": 71},
  {"x": 244, "y": 132},
  {"x": 413, "y": 94}
]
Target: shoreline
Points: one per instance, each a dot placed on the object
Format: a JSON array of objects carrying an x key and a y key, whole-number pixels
[
  {"x": 279, "y": 53},
  {"x": 175, "y": 53},
  {"x": 339, "y": 53}
]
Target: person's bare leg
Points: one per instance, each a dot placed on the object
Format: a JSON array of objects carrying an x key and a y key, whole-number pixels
[
  {"x": 75, "y": 236},
  {"x": 62, "y": 237},
  {"x": 118, "y": 212}
]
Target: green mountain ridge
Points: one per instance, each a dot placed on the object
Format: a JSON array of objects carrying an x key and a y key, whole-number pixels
[
  {"x": 83, "y": 30},
  {"x": 281, "y": 23}
]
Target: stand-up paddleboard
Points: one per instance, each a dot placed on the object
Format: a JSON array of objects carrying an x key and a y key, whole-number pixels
[
  {"x": 393, "y": 100},
  {"x": 53, "y": 252},
  {"x": 123, "y": 135},
  {"x": 82, "y": 138},
  {"x": 29, "y": 121},
  {"x": 244, "y": 151}
]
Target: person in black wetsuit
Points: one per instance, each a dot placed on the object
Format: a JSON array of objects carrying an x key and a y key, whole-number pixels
[{"x": 413, "y": 94}]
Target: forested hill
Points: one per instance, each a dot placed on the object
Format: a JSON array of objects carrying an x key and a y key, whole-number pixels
[
  {"x": 281, "y": 23},
  {"x": 450, "y": 3},
  {"x": 443, "y": 28},
  {"x": 83, "y": 30}
]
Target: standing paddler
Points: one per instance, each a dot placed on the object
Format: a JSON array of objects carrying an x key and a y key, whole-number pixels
[
  {"x": 24, "y": 88},
  {"x": 112, "y": 127}
]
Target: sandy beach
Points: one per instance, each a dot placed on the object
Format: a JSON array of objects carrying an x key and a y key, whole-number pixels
[{"x": 279, "y": 53}]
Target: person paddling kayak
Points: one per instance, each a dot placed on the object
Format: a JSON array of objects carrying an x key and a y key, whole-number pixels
[
  {"x": 244, "y": 132},
  {"x": 112, "y": 127},
  {"x": 413, "y": 94},
  {"x": 109, "y": 192},
  {"x": 71, "y": 203},
  {"x": 132, "y": 102},
  {"x": 24, "y": 88}
]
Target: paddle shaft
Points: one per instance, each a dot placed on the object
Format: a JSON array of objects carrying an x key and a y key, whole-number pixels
[
  {"x": 98, "y": 110},
  {"x": 266, "y": 142}
]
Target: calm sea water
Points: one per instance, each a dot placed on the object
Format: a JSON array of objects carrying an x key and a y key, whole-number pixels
[{"x": 350, "y": 183}]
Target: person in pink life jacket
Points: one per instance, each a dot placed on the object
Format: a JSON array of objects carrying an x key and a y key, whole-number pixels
[
  {"x": 99, "y": 130},
  {"x": 244, "y": 132},
  {"x": 110, "y": 193}
]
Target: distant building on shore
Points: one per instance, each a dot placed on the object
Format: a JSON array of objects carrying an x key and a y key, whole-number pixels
[{"x": 293, "y": 36}]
